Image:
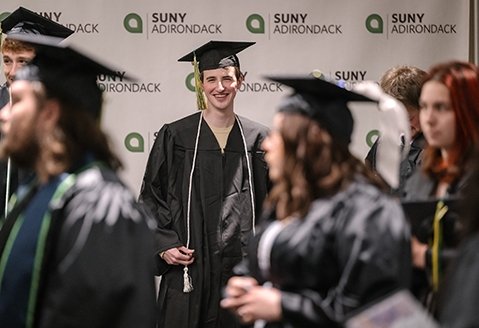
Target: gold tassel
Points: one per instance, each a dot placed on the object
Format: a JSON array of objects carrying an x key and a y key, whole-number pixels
[
  {"x": 187, "y": 283},
  {"x": 200, "y": 97},
  {"x": 441, "y": 210}
]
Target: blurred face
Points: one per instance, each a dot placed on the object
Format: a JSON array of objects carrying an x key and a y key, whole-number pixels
[
  {"x": 274, "y": 147},
  {"x": 18, "y": 128},
  {"x": 437, "y": 117},
  {"x": 414, "y": 123},
  {"x": 221, "y": 86},
  {"x": 13, "y": 61}
]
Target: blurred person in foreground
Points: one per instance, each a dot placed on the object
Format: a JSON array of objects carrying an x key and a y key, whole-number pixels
[
  {"x": 75, "y": 251},
  {"x": 334, "y": 242},
  {"x": 15, "y": 55}
]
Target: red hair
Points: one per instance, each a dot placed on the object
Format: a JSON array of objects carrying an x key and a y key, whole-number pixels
[{"x": 462, "y": 81}]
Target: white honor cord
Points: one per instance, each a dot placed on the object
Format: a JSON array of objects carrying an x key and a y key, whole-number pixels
[
  {"x": 7, "y": 186},
  {"x": 9, "y": 165},
  {"x": 188, "y": 286},
  {"x": 187, "y": 283},
  {"x": 250, "y": 179}
]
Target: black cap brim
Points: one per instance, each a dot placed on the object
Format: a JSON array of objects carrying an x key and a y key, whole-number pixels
[
  {"x": 320, "y": 89},
  {"x": 66, "y": 73},
  {"x": 64, "y": 58},
  {"x": 24, "y": 21},
  {"x": 322, "y": 101},
  {"x": 212, "y": 54}
]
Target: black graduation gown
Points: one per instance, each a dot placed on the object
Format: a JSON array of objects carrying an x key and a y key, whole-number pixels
[
  {"x": 221, "y": 213},
  {"x": 421, "y": 187},
  {"x": 4, "y": 95},
  {"x": 462, "y": 294},
  {"x": 97, "y": 268},
  {"x": 349, "y": 250}
]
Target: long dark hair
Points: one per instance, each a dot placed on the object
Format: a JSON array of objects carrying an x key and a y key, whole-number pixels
[
  {"x": 315, "y": 166},
  {"x": 78, "y": 134}
]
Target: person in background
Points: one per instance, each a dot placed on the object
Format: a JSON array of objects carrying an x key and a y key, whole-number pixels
[
  {"x": 334, "y": 241},
  {"x": 75, "y": 249},
  {"x": 458, "y": 302},
  {"x": 449, "y": 118},
  {"x": 15, "y": 55},
  {"x": 404, "y": 84},
  {"x": 205, "y": 183}
]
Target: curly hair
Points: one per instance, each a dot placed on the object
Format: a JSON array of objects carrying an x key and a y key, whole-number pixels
[
  {"x": 315, "y": 166},
  {"x": 404, "y": 83},
  {"x": 15, "y": 46}
]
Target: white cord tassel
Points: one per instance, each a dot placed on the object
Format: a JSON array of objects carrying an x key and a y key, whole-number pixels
[{"x": 187, "y": 284}]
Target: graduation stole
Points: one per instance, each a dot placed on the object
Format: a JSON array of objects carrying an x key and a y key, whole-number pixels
[
  {"x": 15, "y": 220},
  {"x": 441, "y": 210}
]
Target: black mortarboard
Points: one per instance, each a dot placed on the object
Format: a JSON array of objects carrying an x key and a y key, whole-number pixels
[
  {"x": 323, "y": 101},
  {"x": 217, "y": 54},
  {"x": 420, "y": 215},
  {"x": 66, "y": 73},
  {"x": 24, "y": 21}
]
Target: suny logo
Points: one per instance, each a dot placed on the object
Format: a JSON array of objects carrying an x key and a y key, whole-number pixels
[
  {"x": 374, "y": 23},
  {"x": 255, "y": 24},
  {"x": 190, "y": 82},
  {"x": 408, "y": 23},
  {"x": 134, "y": 142},
  {"x": 133, "y": 23},
  {"x": 371, "y": 137},
  {"x": 293, "y": 23}
]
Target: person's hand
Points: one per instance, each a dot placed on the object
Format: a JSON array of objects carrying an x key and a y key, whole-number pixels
[
  {"x": 178, "y": 256},
  {"x": 418, "y": 250},
  {"x": 251, "y": 302}
]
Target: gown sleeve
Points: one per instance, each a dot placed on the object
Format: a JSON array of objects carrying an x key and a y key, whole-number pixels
[
  {"x": 369, "y": 253},
  {"x": 154, "y": 190}
]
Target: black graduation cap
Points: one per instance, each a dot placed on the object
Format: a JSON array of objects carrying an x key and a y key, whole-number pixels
[
  {"x": 212, "y": 55},
  {"x": 322, "y": 101},
  {"x": 66, "y": 73},
  {"x": 217, "y": 54},
  {"x": 420, "y": 215},
  {"x": 24, "y": 21}
]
